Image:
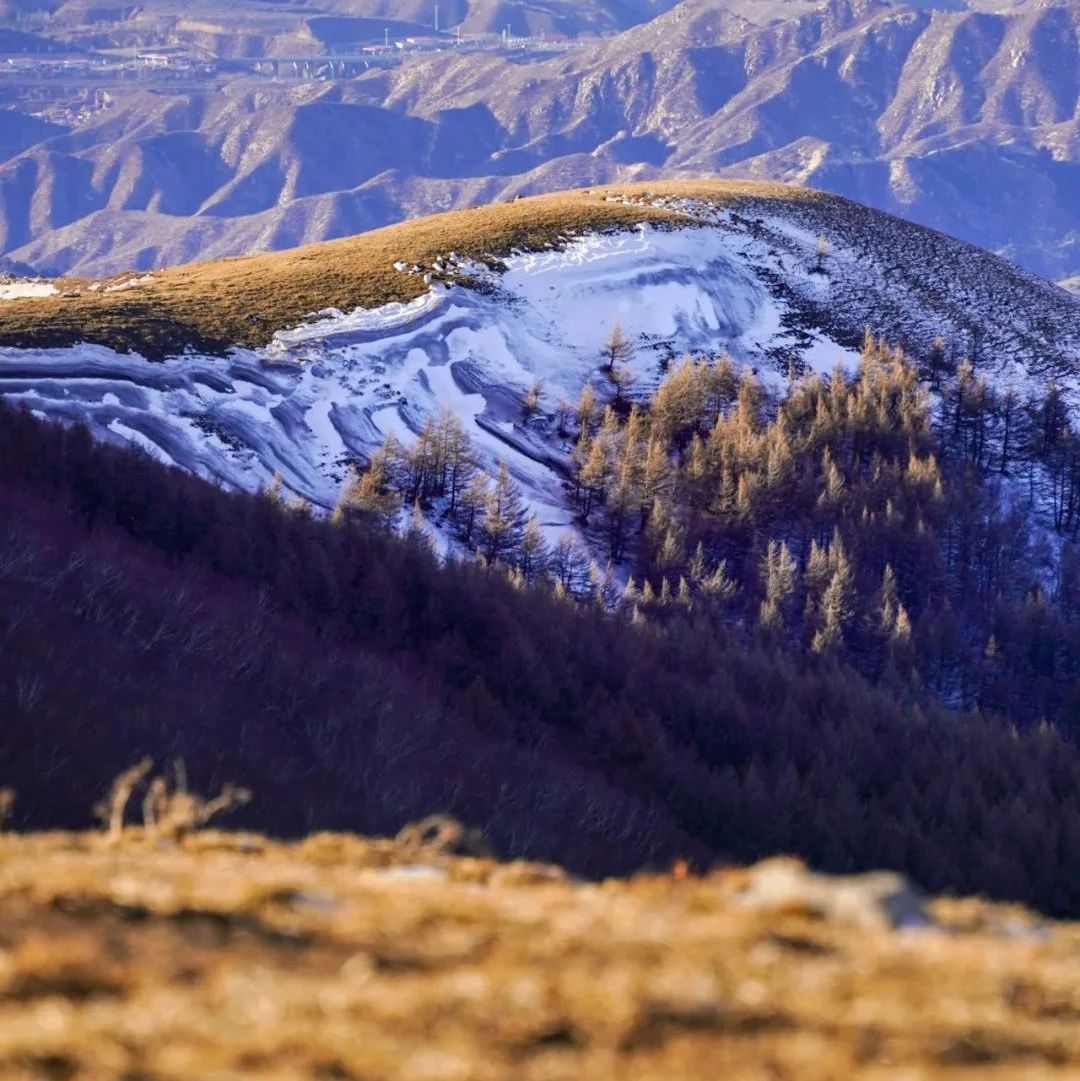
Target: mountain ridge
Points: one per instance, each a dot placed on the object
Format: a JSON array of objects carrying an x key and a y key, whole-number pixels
[
  {"x": 908, "y": 102},
  {"x": 251, "y": 298}
]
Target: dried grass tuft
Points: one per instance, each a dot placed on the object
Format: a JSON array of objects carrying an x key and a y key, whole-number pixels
[{"x": 169, "y": 810}]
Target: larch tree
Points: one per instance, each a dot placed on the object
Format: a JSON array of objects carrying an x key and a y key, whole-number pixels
[
  {"x": 530, "y": 403},
  {"x": 837, "y": 602},
  {"x": 586, "y": 409},
  {"x": 369, "y": 494},
  {"x": 504, "y": 519},
  {"x": 533, "y": 556},
  {"x": 622, "y": 379},
  {"x": 780, "y": 573},
  {"x": 471, "y": 504},
  {"x": 616, "y": 349}
]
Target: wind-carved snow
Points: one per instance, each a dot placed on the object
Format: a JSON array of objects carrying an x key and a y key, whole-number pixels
[
  {"x": 328, "y": 392},
  {"x": 753, "y": 281}
]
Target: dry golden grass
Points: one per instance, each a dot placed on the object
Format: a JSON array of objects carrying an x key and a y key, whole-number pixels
[
  {"x": 211, "y": 306},
  {"x": 229, "y": 956}
]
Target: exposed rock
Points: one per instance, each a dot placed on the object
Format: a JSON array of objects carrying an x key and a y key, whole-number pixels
[{"x": 882, "y": 899}]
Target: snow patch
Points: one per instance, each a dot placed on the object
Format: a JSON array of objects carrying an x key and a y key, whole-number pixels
[
  {"x": 330, "y": 390},
  {"x": 25, "y": 290}
]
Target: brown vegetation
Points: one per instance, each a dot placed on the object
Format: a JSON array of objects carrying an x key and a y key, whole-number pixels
[
  {"x": 229, "y": 955},
  {"x": 212, "y": 306},
  {"x": 353, "y": 680},
  {"x": 852, "y": 516}
]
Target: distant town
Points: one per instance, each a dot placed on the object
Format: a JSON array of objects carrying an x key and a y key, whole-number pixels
[{"x": 179, "y": 63}]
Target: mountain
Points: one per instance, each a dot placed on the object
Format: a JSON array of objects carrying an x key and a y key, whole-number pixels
[
  {"x": 896, "y": 105},
  {"x": 473, "y": 306},
  {"x": 351, "y": 680},
  {"x": 801, "y": 592}
]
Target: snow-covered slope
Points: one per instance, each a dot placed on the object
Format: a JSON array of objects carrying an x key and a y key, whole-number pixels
[
  {"x": 750, "y": 281},
  {"x": 327, "y": 392}
]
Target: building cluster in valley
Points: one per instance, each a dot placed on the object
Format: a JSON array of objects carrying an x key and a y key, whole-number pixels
[{"x": 35, "y": 60}]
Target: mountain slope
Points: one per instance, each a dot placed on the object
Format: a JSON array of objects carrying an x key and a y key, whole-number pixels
[
  {"x": 350, "y": 680},
  {"x": 701, "y": 268},
  {"x": 897, "y": 105}
]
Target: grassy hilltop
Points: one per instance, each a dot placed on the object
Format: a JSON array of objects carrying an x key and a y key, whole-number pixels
[{"x": 243, "y": 301}]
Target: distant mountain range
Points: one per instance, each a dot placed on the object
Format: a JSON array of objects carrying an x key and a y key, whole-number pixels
[{"x": 959, "y": 114}]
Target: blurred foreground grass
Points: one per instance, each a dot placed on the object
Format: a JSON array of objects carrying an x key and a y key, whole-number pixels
[{"x": 224, "y": 955}]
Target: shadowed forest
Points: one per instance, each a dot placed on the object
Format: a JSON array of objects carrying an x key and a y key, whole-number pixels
[{"x": 353, "y": 681}]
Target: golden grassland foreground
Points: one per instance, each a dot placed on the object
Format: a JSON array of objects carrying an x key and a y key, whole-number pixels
[
  {"x": 244, "y": 301},
  {"x": 225, "y": 955}
]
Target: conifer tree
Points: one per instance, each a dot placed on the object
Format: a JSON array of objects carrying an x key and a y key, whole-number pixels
[
  {"x": 901, "y": 632},
  {"x": 696, "y": 567},
  {"x": 504, "y": 519},
  {"x": 471, "y": 507},
  {"x": 530, "y": 404},
  {"x": 533, "y": 556},
  {"x": 616, "y": 349},
  {"x": 622, "y": 378},
  {"x": 461, "y": 465},
  {"x": 832, "y": 480},
  {"x": 627, "y": 481},
  {"x": 274, "y": 492},
  {"x": 369, "y": 494},
  {"x": 888, "y": 600},
  {"x": 569, "y": 564},
  {"x": 720, "y": 586},
  {"x": 837, "y": 602},
  {"x": 684, "y": 597},
  {"x": 656, "y": 477},
  {"x": 592, "y": 473},
  {"x": 417, "y": 533},
  {"x": 816, "y": 577},
  {"x": 586, "y": 409},
  {"x": 665, "y": 593},
  {"x": 938, "y": 364},
  {"x": 779, "y": 573}
]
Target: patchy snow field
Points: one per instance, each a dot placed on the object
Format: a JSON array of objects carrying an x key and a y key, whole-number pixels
[
  {"x": 327, "y": 392},
  {"x": 24, "y": 290}
]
